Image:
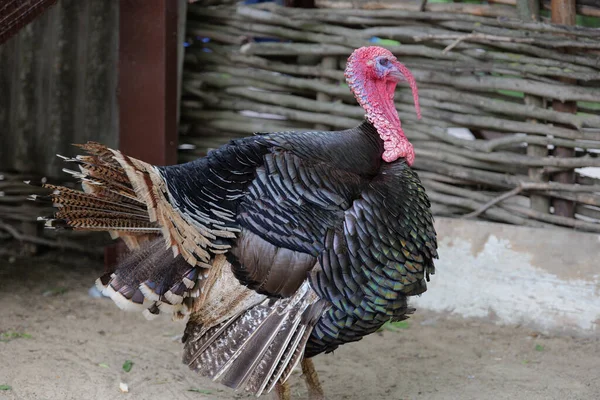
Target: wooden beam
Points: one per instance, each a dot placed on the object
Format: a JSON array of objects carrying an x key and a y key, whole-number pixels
[
  {"x": 148, "y": 80},
  {"x": 148, "y": 87},
  {"x": 529, "y": 11},
  {"x": 564, "y": 12}
]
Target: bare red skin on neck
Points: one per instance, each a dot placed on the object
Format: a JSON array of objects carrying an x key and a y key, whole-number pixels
[{"x": 376, "y": 96}]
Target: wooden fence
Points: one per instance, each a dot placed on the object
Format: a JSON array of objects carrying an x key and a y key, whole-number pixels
[
  {"x": 269, "y": 68},
  {"x": 58, "y": 81}
]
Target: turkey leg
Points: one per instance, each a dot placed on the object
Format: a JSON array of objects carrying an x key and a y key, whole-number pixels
[
  {"x": 282, "y": 391},
  {"x": 315, "y": 391}
]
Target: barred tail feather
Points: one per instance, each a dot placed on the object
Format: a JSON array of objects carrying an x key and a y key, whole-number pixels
[
  {"x": 150, "y": 280},
  {"x": 127, "y": 198},
  {"x": 108, "y": 201},
  {"x": 257, "y": 347}
]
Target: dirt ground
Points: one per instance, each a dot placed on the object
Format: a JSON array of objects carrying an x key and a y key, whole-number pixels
[{"x": 57, "y": 342}]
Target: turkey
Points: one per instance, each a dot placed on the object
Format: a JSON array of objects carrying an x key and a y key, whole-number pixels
[{"x": 275, "y": 247}]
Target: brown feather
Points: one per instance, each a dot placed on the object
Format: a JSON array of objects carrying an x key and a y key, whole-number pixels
[
  {"x": 100, "y": 152},
  {"x": 149, "y": 279},
  {"x": 109, "y": 224},
  {"x": 70, "y": 197},
  {"x": 267, "y": 268},
  {"x": 77, "y": 213},
  {"x": 191, "y": 241},
  {"x": 105, "y": 172},
  {"x": 125, "y": 196}
]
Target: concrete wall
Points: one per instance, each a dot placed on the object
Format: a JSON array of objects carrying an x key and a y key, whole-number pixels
[{"x": 546, "y": 279}]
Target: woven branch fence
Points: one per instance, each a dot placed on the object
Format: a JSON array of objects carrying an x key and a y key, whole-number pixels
[{"x": 265, "y": 68}]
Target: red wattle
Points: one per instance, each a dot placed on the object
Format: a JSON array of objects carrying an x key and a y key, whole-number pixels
[
  {"x": 382, "y": 113},
  {"x": 376, "y": 95}
]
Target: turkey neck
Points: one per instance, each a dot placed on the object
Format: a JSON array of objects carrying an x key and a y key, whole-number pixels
[
  {"x": 377, "y": 99},
  {"x": 381, "y": 110}
]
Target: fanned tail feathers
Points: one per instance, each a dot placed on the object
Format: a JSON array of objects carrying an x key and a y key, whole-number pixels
[
  {"x": 108, "y": 201},
  {"x": 150, "y": 280},
  {"x": 257, "y": 347},
  {"x": 127, "y": 198}
]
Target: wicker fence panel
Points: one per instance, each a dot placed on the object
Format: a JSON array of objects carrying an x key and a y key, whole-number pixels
[{"x": 270, "y": 68}]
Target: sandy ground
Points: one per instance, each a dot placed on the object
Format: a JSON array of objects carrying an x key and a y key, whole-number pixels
[{"x": 73, "y": 346}]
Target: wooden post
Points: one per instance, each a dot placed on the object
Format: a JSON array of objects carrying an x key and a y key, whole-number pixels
[
  {"x": 148, "y": 86},
  {"x": 529, "y": 11},
  {"x": 148, "y": 80},
  {"x": 328, "y": 62},
  {"x": 564, "y": 12}
]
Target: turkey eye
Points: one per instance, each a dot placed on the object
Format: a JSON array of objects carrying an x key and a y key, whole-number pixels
[{"x": 384, "y": 62}]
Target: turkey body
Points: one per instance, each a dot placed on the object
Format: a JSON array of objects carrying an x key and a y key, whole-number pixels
[
  {"x": 320, "y": 207},
  {"x": 276, "y": 247}
]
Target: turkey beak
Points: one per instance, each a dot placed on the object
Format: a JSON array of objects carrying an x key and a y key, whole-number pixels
[{"x": 396, "y": 72}]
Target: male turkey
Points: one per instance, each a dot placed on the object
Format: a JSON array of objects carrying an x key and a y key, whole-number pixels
[{"x": 277, "y": 247}]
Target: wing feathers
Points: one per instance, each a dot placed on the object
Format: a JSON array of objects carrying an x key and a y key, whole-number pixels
[{"x": 258, "y": 347}]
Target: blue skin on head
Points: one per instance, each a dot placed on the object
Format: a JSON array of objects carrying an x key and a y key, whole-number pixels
[{"x": 383, "y": 66}]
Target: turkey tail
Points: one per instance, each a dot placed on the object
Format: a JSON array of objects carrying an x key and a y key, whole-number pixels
[
  {"x": 108, "y": 201},
  {"x": 259, "y": 346},
  {"x": 150, "y": 280},
  {"x": 128, "y": 198}
]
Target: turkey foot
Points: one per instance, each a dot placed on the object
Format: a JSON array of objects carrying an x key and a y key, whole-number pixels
[
  {"x": 315, "y": 391},
  {"x": 282, "y": 391}
]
